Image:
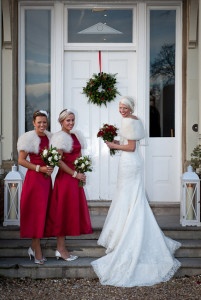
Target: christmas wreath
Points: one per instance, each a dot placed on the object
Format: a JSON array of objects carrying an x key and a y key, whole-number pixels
[{"x": 101, "y": 88}]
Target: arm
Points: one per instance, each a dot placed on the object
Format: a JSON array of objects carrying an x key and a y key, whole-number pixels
[
  {"x": 130, "y": 147},
  {"x": 67, "y": 169},
  {"x": 22, "y": 160}
]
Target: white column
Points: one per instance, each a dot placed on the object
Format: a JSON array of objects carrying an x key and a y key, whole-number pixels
[{"x": 57, "y": 64}]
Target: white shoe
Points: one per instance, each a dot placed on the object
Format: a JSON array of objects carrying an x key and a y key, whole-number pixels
[
  {"x": 37, "y": 261},
  {"x": 70, "y": 258}
]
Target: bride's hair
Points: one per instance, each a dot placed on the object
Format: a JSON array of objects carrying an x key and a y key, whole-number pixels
[{"x": 128, "y": 101}]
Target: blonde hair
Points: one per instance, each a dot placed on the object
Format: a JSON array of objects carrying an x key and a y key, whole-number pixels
[
  {"x": 64, "y": 114},
  {"x": 129, "y": 102}
]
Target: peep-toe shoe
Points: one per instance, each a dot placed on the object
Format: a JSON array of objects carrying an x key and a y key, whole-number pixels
[
  {"x": 70, "y": 258},
  {"x": 36, "y": 261}
]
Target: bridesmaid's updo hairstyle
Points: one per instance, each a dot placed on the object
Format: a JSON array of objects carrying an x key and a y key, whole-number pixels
[
  {"x": 64, "y": 114},
  {"x": 40, "y": 113},
  {"x": 129, "y": 102}
]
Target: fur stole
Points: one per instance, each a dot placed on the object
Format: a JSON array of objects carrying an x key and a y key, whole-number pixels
[
  {"x": 63, "y": 141},
  {"x": 132, "y": 129},
  {"x": 30, "y": 141}
]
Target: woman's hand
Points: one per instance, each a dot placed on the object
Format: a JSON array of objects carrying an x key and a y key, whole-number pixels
[
  {"x": 130, "y": 147},
  {"x": 111, "y": 145},
  {"x": 47, "y": 170},
  {"x": 81, "y": 176}
]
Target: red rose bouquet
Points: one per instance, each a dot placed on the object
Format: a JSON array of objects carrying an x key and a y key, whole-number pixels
[{"x": 107, "y": 133}]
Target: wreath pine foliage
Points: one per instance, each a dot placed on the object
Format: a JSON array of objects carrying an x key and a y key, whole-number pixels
[{"x": 101, "y": 88}]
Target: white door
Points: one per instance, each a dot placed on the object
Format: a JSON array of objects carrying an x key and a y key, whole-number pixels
[
  {"x": 162, "y": 155},
  {"x": 79, "y": 67}
]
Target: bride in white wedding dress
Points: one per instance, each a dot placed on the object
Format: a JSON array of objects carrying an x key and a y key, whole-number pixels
[{"x": 137, "y": 251}]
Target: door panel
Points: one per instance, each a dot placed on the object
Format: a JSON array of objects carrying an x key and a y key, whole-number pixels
[{"x": 162, "y": 170}]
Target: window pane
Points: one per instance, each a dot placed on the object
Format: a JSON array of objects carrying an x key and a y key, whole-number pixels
[
  {"x": 100, "y": 26},
  {"x": 162, "y": 73},
  {"x": 37, "y": 63}
]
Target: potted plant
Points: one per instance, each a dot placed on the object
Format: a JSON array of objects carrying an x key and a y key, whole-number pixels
[{"x": 196, "y": 160}]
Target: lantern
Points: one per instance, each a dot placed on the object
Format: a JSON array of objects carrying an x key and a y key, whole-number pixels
[
  {"x": 12, "y": 191},
  {"x": 190, "y": 202}
]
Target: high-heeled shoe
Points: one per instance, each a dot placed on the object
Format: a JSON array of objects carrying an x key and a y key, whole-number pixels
[
  {"x": 36, "y": 261},
  {"x": 70, "y": 258}
]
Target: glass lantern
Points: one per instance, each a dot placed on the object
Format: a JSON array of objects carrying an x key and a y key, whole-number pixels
[
  {"x": 190, "y": 202},
  {"x": 12, "y": 192}
]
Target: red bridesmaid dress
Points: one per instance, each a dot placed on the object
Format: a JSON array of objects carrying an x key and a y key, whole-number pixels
[
  {"x": 36, "y": 193},
  {"x": 68, "y": 213}
]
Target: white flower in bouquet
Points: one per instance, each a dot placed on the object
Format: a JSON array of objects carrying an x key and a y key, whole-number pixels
[
  {"x": 45, "y": 152},
  {"x": 51, "y": 156},
  {"x": 83, "y": 164}
]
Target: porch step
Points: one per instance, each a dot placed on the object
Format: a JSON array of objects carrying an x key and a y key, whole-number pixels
[
  {"x": 14, "y": 261},
  {"x": 83, "y": 248},
  {"x": 100, "y": 207},
  {"x": 80, "y": 268},
  {"x": 21, "y": 268}
]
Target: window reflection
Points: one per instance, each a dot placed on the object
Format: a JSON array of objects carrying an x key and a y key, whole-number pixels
[
  {"x": 37, "y": 63},
  {"x": 162, "y": 73},
  {"x": 100, "y": 26}
]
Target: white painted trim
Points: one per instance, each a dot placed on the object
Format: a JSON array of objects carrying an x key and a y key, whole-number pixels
[
  {"x": 57, "y": 100},
  {"x": 6, "y": 23},
  {"x": 21, "y": 68},
  {"x": 193, "y": 23}
]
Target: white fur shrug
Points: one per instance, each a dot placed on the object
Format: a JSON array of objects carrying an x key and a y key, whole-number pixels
[
  {"x": 30, "y": 141},
  {"x": 132, "y": 129},
  {"x": 63, "y": 141}
]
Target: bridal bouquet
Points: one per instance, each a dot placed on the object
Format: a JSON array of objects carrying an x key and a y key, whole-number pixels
[
  {"x": 83, "y": 164},
  {"x": 51, "y": 156},
  {"x": 107, "y": 133}
]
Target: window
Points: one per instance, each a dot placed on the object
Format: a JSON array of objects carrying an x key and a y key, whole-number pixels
[
  {"x": 162, "y": 73},
  {"x": 100, "y": 26},
  {"x": 37, "y": 62}
]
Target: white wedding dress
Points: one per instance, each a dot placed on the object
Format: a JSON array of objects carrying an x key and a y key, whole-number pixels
[{"x": 137, "y": 251}]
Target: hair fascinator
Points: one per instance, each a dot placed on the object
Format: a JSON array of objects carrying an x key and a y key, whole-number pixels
[{"x": 44, "y": 112}]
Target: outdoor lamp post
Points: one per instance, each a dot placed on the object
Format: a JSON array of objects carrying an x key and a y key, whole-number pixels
[
  {"x": 190, "y": 202},
  {"x": 12, "y": 191}
]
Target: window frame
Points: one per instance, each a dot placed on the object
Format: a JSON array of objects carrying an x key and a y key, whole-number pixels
[{"x": 107, "y": 46}]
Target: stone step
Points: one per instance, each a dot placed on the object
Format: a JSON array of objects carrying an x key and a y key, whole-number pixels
[
  {"x": 80, "y": 268},
  {"x": 189, "y": 267},
  {"x": 100, "y": 207},
  {"x": 23, "y": 267},
  {"x": 170, "y": 225},
  {"x": 83, "y": 248}
]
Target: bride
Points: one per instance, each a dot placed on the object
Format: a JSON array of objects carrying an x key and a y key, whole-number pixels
[{"x": 137, "y": 251}]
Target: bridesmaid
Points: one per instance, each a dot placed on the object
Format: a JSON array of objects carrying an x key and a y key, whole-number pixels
[
  {"x": 68, "y": 213},
  {"x": 37, "y": 185}
]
